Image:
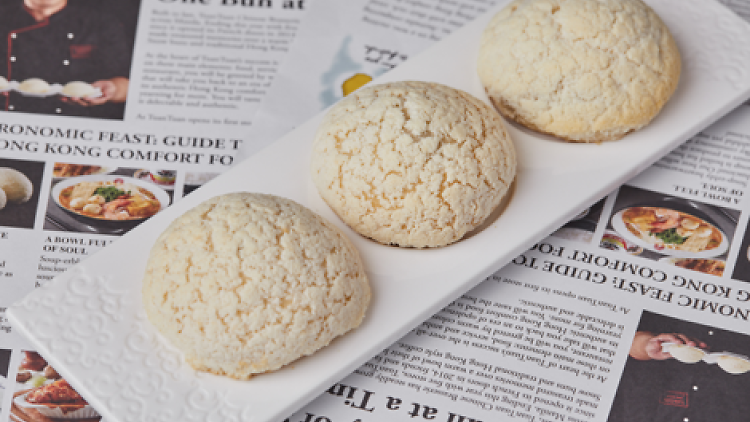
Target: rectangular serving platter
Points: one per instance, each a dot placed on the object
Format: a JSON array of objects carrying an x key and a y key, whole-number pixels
[{"x": 90, "y": 325}]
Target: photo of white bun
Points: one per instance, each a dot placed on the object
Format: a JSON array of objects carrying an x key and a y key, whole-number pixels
[
  {"x": 3, "y": 83},
  {"x": 15, "y": 185},
  {"x": 685, "y": 353},
  {"x": 733, "y": 364},
  {"x": 79, "y": 89},
  {"x": 34, "y": 86}
]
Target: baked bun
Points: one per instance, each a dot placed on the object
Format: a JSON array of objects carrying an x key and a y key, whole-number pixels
[
  {"x": 413, "y": 164},
  {"x": 34, "y": 86},
  {"x": 245, "y": 283},
  {"x": 581, "y": 70},
  {"x": 78, "y": 89},
  {"x": 685, "y": 353},
  {"x": 733, "y": 364},
  {"x": 16, "y": 185}
]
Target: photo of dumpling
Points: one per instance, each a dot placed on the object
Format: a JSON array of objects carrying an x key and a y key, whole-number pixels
[
  {"x": 685, "y": 353},
  {"x": 78, "y": 89},
  {"x": 733, "y": 364},
  {"x": 16, "y": 186},
  {"x": 34, "y": 86}
]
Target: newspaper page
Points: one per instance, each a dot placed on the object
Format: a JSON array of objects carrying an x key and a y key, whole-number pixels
[
  {"x": 347, "y": 44},
  {"x": 209, "y": 62},
  {"x": 608, "y": 319},
  {"x": 110, "y": 111},
  {"x": 740, "y": 7},
  {"x": 174, "y": 144},
  {"x": 617, "y": 316}
]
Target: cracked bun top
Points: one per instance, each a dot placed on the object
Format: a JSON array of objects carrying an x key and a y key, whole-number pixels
[
  {"x": 581, "y": 70},
  {"x": 413, "y": 164},
  {"x": 245, "y": 283}
]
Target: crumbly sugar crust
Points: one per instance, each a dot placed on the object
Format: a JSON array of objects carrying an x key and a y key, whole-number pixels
[
  {"x": 413, "y": 164},
  {"x": 246, "y": 283},
  {"x": 582, "y": 70}
]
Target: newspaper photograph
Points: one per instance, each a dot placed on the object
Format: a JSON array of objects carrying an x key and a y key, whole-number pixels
[
  {"x": 631, "y": 311},
  {"x": 111, "y": 111},
  {"x": 637, "y": 309}
]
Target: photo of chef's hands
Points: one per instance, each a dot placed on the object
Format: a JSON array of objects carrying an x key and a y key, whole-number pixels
[
  {"x": 685, "y": 371},
  {"x": 42, "y": 395},
  {"x": 67, "y": 57}
]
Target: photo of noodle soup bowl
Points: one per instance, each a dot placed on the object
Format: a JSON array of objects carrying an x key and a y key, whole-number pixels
[
  {"x": 670, "y": 232},
  {"x": 109, "y": 200}
]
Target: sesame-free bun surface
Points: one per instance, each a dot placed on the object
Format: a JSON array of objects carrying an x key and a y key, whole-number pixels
[
  {"x": 78, "y": 89},
  {"x": 733, "y": 364},
  {"x": 413, "y": 164},
  {"x": 34, "y": 86},
  {"x": 245, "y": 283},
  {"x": 16, "y": 185},
  {"x": 685, "y": 353},
  {"x": 581, "y": 70}
]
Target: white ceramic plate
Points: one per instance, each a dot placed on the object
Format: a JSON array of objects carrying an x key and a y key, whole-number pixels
[
  {"x": 620, "y": 227},
  {"x": 90, "y": 325}
]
